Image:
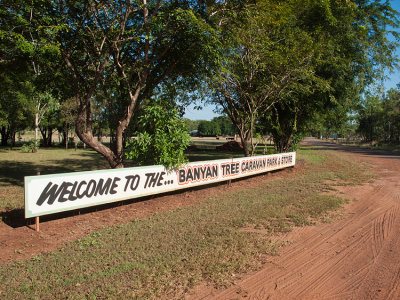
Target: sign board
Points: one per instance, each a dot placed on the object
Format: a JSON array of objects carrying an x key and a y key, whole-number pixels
[{"x": 48, "y": 194}]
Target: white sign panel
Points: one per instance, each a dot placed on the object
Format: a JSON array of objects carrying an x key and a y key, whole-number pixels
[{"x": 54, "y": 193}]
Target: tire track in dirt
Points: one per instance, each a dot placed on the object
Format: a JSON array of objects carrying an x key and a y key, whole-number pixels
[
  {"x": 356, "y": 257},
  {"x": 381, "y": 230}
]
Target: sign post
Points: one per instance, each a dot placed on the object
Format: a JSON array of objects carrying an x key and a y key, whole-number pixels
[{"x": 37, "y": 224}]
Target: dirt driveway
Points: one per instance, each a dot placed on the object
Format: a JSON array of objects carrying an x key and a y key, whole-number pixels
[{"x": 355, "y": 257}]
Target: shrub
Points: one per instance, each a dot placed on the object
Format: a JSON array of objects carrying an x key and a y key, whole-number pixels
[
  {"x": 162, "y": 140},
  {"x": 31, "y": 146}
]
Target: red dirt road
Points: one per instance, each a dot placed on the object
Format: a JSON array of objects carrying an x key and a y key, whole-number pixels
[{"x": 355, "y": 257}]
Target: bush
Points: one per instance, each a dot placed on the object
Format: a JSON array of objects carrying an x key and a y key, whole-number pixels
[
  {"x": 162, "y": 140},
  {"x": 31, "y": 146}
]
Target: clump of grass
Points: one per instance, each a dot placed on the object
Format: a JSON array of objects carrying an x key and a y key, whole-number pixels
[
  {"x": 337, "y": 165},
  {"x": 167, "y": 254},
  {"x": 312, "y": 156}
]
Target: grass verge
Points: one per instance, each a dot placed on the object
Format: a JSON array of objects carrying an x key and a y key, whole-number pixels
[
  {"x": 14, "y": 165},
  {"x": 165, "y": 255}
]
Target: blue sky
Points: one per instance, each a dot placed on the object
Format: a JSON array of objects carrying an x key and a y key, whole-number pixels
[
  {"x": 207, "y": 112},
  {"x": 394, "y": 78}
]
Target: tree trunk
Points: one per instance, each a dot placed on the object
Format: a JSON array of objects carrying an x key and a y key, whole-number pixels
[
  {"x": 244, "y": 140},
  {"x": 47, "y": 134},
  {"x": 66, "y": 138},
  {"x": 84, "y": 132},
  {"x": 253, "y": 146},
  {"x": 282, "y": 141},
  {"x": 4, "y": 136},
  {"x": 36, "y": 125},
  {"x": 12, "y": 135},
  {"x": 99, "y": 135},
  {"x": 245, "y": 147},
  {"x": 50, "y": 137}
]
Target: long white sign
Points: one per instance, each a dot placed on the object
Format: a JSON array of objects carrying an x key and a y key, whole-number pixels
[{"x": 54, "y": 193}]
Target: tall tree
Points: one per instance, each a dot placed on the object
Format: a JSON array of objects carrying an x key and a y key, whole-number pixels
[
  {"x": 354, "y": 50},
  {"x": 266, "y": 56},
  {"x": 370, "y": 118},
  {"x": 392, "y": 115},
  {"x": 127, "y": 49},
  {"x": 25, "y": 47},
  {"x": 379, "y": 117},
  {"x": 221, "y": 125},
  {"x": 14, "y": 75}
]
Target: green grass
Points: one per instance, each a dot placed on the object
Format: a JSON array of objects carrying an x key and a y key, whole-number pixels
[
  {"x": 312, "y": 157},
  {"x": 338, "y": 167},
  {"x": 207, "y": 149},
  {"x": 15, "y": 164},
  {"x": 207, "y": 143},
  {"x": 165, "y": 255},
  {"x": 211, "y": 155}
]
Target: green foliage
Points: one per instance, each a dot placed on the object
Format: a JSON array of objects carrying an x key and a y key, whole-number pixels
[
  {"x": 31, "y": 146},
  {"x": 280, "y": 67},
  {"x": 206, "y": 128},
  {"x": 392, "y": 115},
  {"x": 371, "y": 119},
  {"x": 16, "y": 109},
  {"x": 29, "y": 65},
  {"x": 217, "y": 126},
  {"x": 379, "y": 118},
  {"x": 163, "y": 138},
  {"x": 298, "y": 63},
  {"x": 270, "y": 54},
  {"x": 191, "y": 124},
  {"x": 118, "y": 54}
]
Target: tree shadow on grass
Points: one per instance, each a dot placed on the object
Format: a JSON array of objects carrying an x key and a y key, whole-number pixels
[
  {"x": 85, "y": 161},
  {"x": 204, "y": 155},
  {"x": 13, "y": 172}
]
